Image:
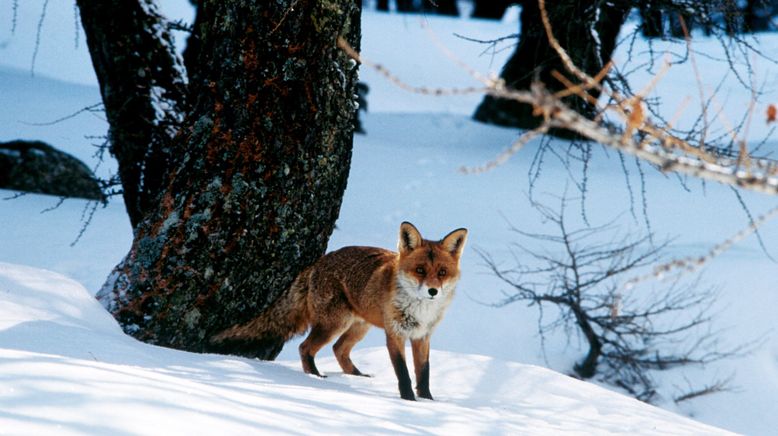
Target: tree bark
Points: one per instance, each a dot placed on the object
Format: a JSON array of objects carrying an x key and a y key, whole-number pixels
[
  {"x": 492, "y": 9},
  {"x": 144, "y": 93},
  {"x": 407, "y": 6},
  {"x": 757, "y": 15},
  {"x": 651, "y": 17},
  {"x": 535, "y": 59},
  {"x": 587, "y": 368},
  {"x": 441, "y": 7},
  {"x": 681, "y": 24},
  {"x": 264, "y": 154}
]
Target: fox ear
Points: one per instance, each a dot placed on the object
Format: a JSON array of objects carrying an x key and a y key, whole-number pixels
[
  {"x": 410, "y": 238},
  {"x": 454, "y": 242}
]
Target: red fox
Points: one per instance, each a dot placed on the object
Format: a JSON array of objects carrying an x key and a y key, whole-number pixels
[{"x": 348, "y": 290}]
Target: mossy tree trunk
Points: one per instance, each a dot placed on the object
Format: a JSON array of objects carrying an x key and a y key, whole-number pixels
[
  {"x": 442, "y": 7},
  {"x": 492, "y": 9},
  {"x": 651, "y": 15},
  {"x": 144, "y": 93},
  {"x": 260, "y": 162},
  {"x": 586, "y": 29}
]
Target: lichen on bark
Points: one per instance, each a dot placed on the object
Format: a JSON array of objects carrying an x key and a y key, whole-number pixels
[{"x": 254, "y": 196}]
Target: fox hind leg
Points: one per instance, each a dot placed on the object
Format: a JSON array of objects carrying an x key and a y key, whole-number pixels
[
  {"x": 343, "y": 346},
  {"x": 331, "y": 316},
  {"x": 319, "y": 336}
]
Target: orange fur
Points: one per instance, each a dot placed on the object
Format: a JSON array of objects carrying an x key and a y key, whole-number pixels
[{"x": 348, "y": 290}]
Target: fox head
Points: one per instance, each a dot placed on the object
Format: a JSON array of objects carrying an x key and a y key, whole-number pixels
[{"x": 429, "y": 270}]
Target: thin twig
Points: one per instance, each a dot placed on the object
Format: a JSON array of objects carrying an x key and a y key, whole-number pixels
[
  {"x": 503, "y": 157},
  {"x": 655, "y": 144},
  {"x": 38, "y": 37},
  {"x": 692, "y": 263},
  {"x": 97, "y": 107}
]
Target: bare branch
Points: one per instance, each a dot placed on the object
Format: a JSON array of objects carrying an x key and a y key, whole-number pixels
[
  {"x": 56, "y": 206},
  {"x": 86, "y": 219},
  {"x": 344, "y": 45},
  {"x": 37, "y": 35},
  {"x": 719, "y": 385},
  {"x": 97, "y": 107},
  {"x": 15, "y": 195},
  {"x": 652, "y": 144},
  {"x": 14, "y": 16},
  {"x": 503, "y": 157},
  {"x": 491, "y": 42},
  {"x": 629, "y": 335},
  {"x": 692, "y": 263}
]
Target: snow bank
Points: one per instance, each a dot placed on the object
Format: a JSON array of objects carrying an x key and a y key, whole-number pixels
[{"x": 66, "y": 368}]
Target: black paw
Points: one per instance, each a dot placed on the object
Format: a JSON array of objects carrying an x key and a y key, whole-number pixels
[
  {"x": 407, "y": 396},
  {"x": 426, "y": 395}
]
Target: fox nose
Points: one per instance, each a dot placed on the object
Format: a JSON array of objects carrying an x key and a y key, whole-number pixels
[{"x": 433, "y": 292}]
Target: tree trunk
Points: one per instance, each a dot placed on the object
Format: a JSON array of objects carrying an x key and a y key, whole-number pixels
[
  {"x": 587, "y": 368},
  {"x": 143, "y": 90},
  {"x": 757, "y": 15},
  {"x": 492, "y": 9},
  {"x": 651, "y": 17},
  {"x": 535, "y": 59},
  {"x": 608, "y": 25},
  {"x": 407, "y": 6},
  {"x": 441, "y": 7},
  {"x": 263, "y": 158},
  {"x": 681, "y": 25}
]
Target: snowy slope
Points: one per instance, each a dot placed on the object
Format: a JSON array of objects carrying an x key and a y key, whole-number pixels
[
  {"x": 404, "y": 169},
  {"x": 66, "y": 368}
]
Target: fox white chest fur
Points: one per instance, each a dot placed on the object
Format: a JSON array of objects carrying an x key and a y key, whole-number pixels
[{"x": 418, "y": 313}]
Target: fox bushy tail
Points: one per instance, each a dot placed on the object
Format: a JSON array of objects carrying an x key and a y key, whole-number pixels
[{"x": 264, "y": 336}]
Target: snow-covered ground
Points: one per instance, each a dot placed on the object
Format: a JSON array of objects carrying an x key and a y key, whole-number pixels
[{"x": 67, "y": 368}]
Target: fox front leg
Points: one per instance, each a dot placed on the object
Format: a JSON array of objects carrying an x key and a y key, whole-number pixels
[
  {"x": 421, "y": 364},
  {"x": 396, "y": 346}
]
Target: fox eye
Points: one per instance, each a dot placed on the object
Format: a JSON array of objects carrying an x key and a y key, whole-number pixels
[
  {"x": 442, "y": 272},
  {"x": 420, "y": 270}
]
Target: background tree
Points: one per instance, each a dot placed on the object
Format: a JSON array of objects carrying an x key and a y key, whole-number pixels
[
  {"x": 441, "y": 7},
  {"x": 630, "y": 332},
  {"x": 232, "y": 168},
  {"x": 407, "y": 6},
  {"x": 492, "y": 9},
  {"x": 590, "y": 40},
  {"x": 757, "y": 15},
  {"x": 651, "y": 17}
]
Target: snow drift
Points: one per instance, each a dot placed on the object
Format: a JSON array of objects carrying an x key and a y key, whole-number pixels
[{"x": 66, "y": 368}]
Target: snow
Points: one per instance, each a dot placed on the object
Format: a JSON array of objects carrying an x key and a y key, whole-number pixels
[{"x": 68, "y": 369}]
